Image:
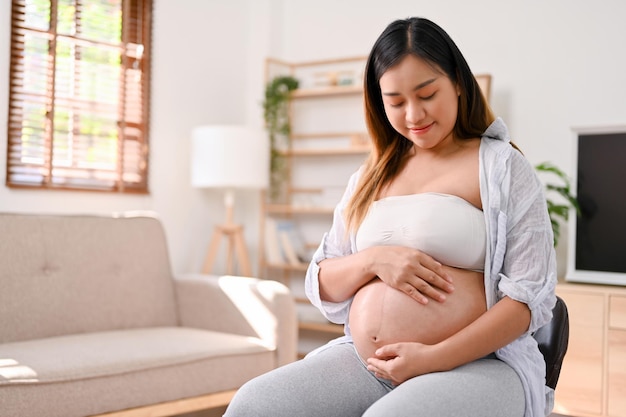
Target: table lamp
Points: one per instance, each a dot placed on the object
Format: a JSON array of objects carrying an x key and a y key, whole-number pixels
[{"x": 229, "y": 157}]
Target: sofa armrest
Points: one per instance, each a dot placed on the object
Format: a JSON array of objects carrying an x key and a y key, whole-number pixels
[{"x": 240, "y": 305}]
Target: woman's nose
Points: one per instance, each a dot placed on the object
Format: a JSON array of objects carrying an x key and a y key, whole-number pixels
[{"x": 414, "y": 112}]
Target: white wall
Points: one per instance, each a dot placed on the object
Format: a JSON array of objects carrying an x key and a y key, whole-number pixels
[
  {"x": 556, "y": 64},
  {"x": 203, "y": 73}
]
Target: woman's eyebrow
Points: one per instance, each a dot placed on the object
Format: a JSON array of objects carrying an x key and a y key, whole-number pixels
[{"x": 417, "y": 87}]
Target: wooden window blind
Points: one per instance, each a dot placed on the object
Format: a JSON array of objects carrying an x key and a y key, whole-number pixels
[{"x": 79, "y": 95}]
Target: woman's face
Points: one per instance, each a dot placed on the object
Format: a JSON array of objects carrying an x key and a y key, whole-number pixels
[{"x": 421, "y": 102}]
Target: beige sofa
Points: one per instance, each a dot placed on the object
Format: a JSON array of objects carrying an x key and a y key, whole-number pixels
[{"x": 92, "y": 322}]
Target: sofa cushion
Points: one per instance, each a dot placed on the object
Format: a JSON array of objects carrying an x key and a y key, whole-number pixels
[
  {"x": 76, "y": 274},
  {"x": 79, "y": 375}
]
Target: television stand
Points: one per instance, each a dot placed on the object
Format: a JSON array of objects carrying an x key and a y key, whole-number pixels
[{"x": 593, "y": 377}]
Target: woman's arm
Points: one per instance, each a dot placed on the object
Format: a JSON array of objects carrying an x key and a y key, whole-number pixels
[
  {"x": 507, "y": 320},
  {"x": 340, "y": 278},
  {"x": 405, "y": 269}
]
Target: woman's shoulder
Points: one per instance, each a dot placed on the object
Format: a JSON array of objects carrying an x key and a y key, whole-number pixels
[
  {"x": 497, "y": 131},
  {"x": 356, "y": 175},
  {"x": 353, "y": 182},
  {"x": 501, "y": 153},
  {"x": 496, "y": 143}
]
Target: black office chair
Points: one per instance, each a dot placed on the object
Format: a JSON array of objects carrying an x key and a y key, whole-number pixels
[{"x": 553, "y": 339}]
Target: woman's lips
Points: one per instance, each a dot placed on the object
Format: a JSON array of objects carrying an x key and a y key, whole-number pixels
[{"x": 421, "y": 130}]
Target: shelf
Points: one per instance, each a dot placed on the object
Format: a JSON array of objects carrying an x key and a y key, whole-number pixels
[
  {"x": 332, "y": 135},
  {"x": 289, "y": 267},
  {"x": 289, "y": 209},
  {"x": 321, "y": 327},
  {"x": 354, "y": 150},
  {"x": 318, "y": 62},
  {"x": 339, "y": 90}
]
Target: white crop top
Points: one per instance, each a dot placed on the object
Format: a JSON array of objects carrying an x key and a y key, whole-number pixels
[{"x": 444, "y": 226}]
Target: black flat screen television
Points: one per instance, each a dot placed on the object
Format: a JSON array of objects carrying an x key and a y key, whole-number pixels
[{"x": 597, "y": 238}]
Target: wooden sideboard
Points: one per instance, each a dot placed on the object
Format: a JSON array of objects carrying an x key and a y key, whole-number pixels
[{"x": 593, "y": 378}]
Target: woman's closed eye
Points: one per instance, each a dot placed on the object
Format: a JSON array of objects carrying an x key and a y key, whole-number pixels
[{"x": 398, "y": 104}]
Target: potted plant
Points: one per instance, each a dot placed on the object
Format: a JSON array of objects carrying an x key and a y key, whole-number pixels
[
  {"x": 559, "y": 212},
  {"x": 276, "y": 114}
]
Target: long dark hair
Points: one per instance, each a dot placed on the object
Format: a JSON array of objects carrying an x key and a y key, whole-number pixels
[{"x": 426, "y": 40}]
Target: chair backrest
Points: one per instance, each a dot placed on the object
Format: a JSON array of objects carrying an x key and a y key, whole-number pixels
[{"x": 553, "y": 339}]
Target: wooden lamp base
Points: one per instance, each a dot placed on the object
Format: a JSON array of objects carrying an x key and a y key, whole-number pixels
[{"x": 236, "y": 243}]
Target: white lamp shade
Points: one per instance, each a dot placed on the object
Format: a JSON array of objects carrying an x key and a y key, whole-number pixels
[{"x": 229, "y": 157}]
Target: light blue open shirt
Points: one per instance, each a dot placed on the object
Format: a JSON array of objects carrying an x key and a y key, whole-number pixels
[{"x": 520, "y": 259}]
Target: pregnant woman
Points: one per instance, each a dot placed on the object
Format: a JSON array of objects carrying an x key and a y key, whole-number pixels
[{"x": 439, "y": 261}]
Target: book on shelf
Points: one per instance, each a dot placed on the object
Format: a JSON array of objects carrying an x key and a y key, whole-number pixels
[
  {"x": 288, "y": 249},
  {"x": 284, "y": 244},
  {"x": 310, "y": 314},
  {"x": 272, "y": 244}
]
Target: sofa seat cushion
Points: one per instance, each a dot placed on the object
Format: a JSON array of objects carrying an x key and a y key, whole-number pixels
[{"x": 121, "y": 369}]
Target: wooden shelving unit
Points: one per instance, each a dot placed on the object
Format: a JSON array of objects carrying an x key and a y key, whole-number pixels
[
  {"x": 322, "y": 327},
  {"x": 292, "y": 210},
  {"x": 330, "y": 146},
  {"x": 327, "y": 91},
  {"x": 327, "y": 152},
  {"x": 287, "y": 267}
]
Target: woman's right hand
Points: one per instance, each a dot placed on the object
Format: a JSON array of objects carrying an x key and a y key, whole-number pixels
[{"x": 412, "y": 272}]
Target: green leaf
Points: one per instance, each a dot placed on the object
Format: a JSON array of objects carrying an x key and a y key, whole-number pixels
[
  {"x": 558, "y": 211},
  {"x": 275, "y": 112}
]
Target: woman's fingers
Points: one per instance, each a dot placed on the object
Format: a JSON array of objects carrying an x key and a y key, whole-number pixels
[
  {"x": 418, "y": 294},
  {"x": 438, "y": 279},
  {"x": 429, "y": 284},
  {"x": 434, "y": 270},
  {"x": 415, "y": 273},
  {"x": 421, "y": 291}
]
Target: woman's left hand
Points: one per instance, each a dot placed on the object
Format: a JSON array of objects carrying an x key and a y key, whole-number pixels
[{"x": 399, "y": 362}]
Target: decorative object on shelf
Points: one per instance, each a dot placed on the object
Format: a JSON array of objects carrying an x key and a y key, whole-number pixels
[
  {"x": 229, "y": 158},
  {"x": 275, "y": 111},
  {"x": 558, "y": 212},
  {"x": 360, "y": 140},
  {"x": 334, "y": 78}
]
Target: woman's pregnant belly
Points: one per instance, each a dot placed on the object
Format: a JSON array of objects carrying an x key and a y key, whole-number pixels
[{"x": 380, "y": 315}]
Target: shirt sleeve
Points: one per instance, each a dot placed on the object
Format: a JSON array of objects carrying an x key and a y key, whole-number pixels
[
  {"x": 528, "y": 272},
  {"x": 335, "y": 243}
]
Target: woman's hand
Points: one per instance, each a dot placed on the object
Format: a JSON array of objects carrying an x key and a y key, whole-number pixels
[
  {"x": 412, "y": 272},
  {"x": 399, "y": 362}
]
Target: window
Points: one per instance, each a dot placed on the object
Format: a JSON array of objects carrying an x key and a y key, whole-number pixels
[{"x": 79, "y": 95}]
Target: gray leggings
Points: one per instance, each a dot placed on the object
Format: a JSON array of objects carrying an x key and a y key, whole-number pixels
[{"x": 335, "y": 382}]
